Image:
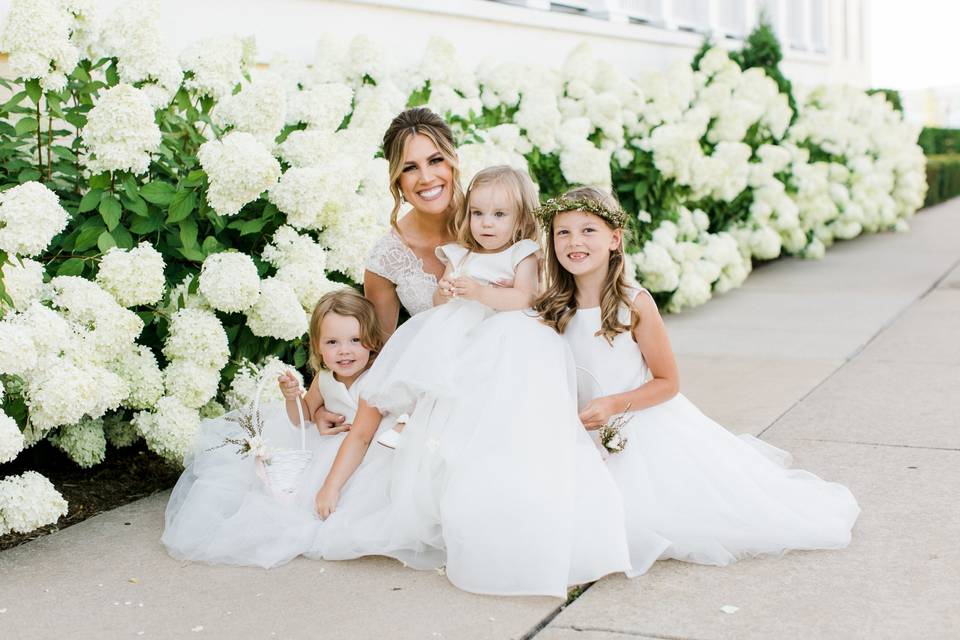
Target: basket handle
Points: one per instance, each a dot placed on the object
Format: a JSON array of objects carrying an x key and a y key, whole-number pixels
[{"x": 303, "y": 427}]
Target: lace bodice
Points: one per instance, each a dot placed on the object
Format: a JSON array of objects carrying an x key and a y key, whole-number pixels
[{"x": 395, "y": 261}]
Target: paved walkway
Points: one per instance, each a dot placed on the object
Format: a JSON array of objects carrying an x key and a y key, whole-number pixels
[{"x": 852, "y": 363}]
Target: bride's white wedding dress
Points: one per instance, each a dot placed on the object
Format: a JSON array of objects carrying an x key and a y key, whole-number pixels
[{"x": 712, "y": 496}]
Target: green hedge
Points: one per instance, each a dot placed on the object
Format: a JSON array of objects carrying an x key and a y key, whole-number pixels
[
  {"x": 943, "y": 178},
  {"x": 937, "y": 141}
]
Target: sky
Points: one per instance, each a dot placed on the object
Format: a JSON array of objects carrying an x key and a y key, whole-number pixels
[{"x": 916, "y": 44}]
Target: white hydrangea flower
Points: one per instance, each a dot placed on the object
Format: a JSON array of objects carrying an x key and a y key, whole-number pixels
[
  {"x": 121, "y": 131},
  {"x": 52, "y": 334},
  {"x": 119, "y": 432},
  {"x": 216, "y": 65},
  {"x": 109, "y": 328},
  {"x": 301, "y": 263},
  {"x": 321, "y": 107},
  {"x": 132, "y": 35},
  {"x": 18, "y": 355},
  {"x": 693, "y": 290},
  {"x": 350, "y": 239},
  {"x": 65, "y": 393},
  {"x": 36, "y": 35},
  {"x": 539, "y": 117},
  {"x": 179, "y": 297},
  {"x": 212, "y": 409},
  {"x": 656, "y": 269},
  {"x": 11, "y": 438},
  {"x": 133, "y": 276},
  {"x": 170, "y": 430},
  {"x": 239, "y": 169},
  {"x": 243, "y": 389},
  {"x": 260, "y": 108},
  {"x": 441, "y": 67},
  {"x": 30, "y": 216},
  {"x": 197, "y": 335},
  {"x": 84, "y": 442},
  {"x": 366, "y": 58},
  {"x": 278, "y": 313},
  {"x": 308, "y": 148},
  {"x": 190, "y": 383},
  {"x": 229, "y": 281},
  {"x": 139, "y": 369},
  {"x": 27, "y": 502},
  {"x": 23, "y": 280},
  {"x": 312, "y": 197}
]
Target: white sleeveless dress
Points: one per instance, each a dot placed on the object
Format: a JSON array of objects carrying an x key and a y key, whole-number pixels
[
  {"x": 497, "y": 481},
  {"x": 712, "y": 496},
  {"x": 220, "y": 512}
]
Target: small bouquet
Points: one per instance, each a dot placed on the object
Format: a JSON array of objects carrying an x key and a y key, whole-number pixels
[
  {"x": 252, "y": 441},
  {"x": 610, "y": 436}
]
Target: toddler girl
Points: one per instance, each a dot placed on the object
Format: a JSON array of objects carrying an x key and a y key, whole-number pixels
[
  {"x": 220, "y": 510},
  {"x": 710, "y": 496}
]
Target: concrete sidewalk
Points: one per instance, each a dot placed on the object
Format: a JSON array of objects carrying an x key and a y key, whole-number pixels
[{"x": 851, "y": 363}]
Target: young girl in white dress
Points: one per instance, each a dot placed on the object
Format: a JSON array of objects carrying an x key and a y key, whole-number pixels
[
  {"x": 710, "y": 496},
  {"x": 222, "y": 512},
  {"x": 494, "y": 477}
]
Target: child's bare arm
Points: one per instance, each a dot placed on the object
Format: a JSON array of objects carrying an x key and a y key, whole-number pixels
[
  {"x": 652, "y": 339},
  {"x": 290, "y": 388},
  {"x": 519, "y": 296},
  {"x": 349, "y": 456}
]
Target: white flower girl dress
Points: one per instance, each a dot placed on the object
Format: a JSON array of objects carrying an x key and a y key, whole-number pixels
[
  {"x": 712, "y": 496},
  {"x": 221, "y": 512}
]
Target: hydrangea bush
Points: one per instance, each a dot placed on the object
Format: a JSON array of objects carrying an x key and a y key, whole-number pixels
[{"x": 167, "y": 222}]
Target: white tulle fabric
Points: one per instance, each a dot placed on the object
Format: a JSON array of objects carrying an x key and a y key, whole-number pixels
[
  {"x": 713, "y": 496},
  {"x": 421, "y": 355},
  {"x": 221, "y": 513},
  {"x": 498, "y": 482},
  {"x": 392, "y": 259}
]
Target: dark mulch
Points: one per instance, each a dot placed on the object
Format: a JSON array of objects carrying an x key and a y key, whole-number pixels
[{"x": 125, "y": 475}]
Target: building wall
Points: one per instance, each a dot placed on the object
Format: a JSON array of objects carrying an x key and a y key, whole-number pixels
[{"x": 822, "y": 39}]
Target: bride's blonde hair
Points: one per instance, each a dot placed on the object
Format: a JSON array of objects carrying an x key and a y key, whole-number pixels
[
  {"x": 558, "y": 302},
  {"x": 407, "y": 124}
]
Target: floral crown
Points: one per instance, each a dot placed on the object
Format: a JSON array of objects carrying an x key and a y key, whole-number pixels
[{"x": 545, "y": 213}]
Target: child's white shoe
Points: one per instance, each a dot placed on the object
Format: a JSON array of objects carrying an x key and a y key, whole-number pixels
[{"x": 389, "y": 438}]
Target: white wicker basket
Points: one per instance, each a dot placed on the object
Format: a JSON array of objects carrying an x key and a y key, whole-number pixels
[{"x": 281, "y": 470}]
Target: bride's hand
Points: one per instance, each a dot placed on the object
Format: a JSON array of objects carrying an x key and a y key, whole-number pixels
[
  {"x": 598, "y": 413},
  {"x": 329, "y": 423},
  {"x": 326, "y": 502}
]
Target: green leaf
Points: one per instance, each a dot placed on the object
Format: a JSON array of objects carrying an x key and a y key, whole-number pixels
[
  {"x": 71, "y": 267},
  {"x": 188, "y": 233},
  {"x": 110, "y": 210},
  {"x": 100, "y": 181},
  {"x": 299, "y": 357},
  {"x": 76, "y": 118},
  {"x": 112, "y": 76},
  {"x": 158, "y": 192},
  {"x": 88, "y": 237},
  {"x": 210, "y": 245},
  {"x": 194, "y": 255},
  {"x": 247, "y": 227},
  {"x": 26, "y": 125},
  {"x": 143, "y": 226},
  {"x": 182, "y": 206},
  {"x": 90, "y": 200},
  {"x": 130, "y": 187},
  {"x": 28, "y": 175},
  {"x": 122, "y": 237},
  {"x": 34, "y": 90},
  {"x": 195, "y": 178},
  {"x": 105, "y": 242},
  {"x": 137, "y": 205},
  {"x": 194, "y": 285},
  {"x": 64, "y": 152}
]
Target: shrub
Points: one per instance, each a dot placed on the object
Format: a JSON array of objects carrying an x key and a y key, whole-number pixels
[{"x": 943, "y": 178}]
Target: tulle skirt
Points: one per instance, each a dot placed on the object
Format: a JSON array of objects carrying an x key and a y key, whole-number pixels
[
  {"x": 717, "y": 497},
  {"x": 499, "y": 482},
  {"x": 221, "y": 512}
]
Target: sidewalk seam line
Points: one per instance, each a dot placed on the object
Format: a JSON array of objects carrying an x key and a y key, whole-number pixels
[
  {"x": 879, "y": 444},
  {"x": 639, "y": 634},
  {"x": 866, "y": 344}
]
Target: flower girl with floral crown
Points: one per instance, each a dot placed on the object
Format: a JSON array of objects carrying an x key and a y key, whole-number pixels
[
  {"x": 222, "y": 509},
  {"x": 710, "y": 496},
  {"x": 494, "y": 477}
]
